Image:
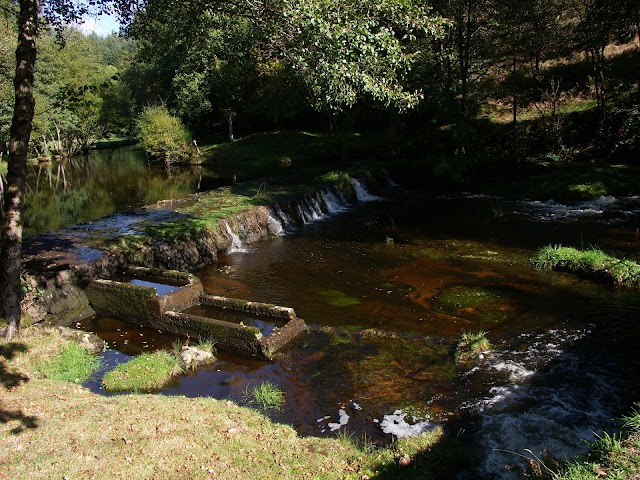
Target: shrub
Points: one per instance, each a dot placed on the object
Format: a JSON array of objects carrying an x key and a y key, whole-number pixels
[{"x": 163, "y": 136}]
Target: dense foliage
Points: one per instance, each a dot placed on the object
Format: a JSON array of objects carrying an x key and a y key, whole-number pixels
[{"x": 163, "y": 135}]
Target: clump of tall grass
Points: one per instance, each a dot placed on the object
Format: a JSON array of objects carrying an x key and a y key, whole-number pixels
[
  {"x": 266, "y": 395},
  {"x": 471, "y": 344},
  {"x": 73, "y": 364},
  {"x": 146, "y": 372},
  {"x": 592, "y": 263}
]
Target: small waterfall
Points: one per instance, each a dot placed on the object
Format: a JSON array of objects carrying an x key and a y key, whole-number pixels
[
  {"x": 315, "y": 206},
  {"x": 236, "y": 243},
  {"x": 274, "y": 225},
  {"x": 331, "y": 202},
  {"x": 303, "y": 214},
  {"x": 311, "y": 212},
  {"x": 284, "y": 218},
  {"x": 389, "y": 179},
  {"x": 341, "y": 197},
  {"x": 361, "y": 191}
]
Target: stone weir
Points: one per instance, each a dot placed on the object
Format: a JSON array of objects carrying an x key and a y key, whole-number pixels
[{"x": 162, "y": 300}]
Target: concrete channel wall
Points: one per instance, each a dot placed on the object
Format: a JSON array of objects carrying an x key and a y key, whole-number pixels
[{"x": 141, "y": 305}]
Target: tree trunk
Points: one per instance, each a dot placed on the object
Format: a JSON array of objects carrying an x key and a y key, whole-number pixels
[
  {"x": 20, "y": 134},
  {"x": 516, "y": 137},
  {"x": 230, "y": 120}
]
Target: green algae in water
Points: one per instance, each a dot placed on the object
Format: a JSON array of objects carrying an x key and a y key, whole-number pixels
[
  {"x": 484, "y": 304},
  {"x": 339, "y": 299},
  {"x": 401, "y": 369}
]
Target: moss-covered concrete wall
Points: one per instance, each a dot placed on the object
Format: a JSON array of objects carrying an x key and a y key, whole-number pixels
[
  {"x": 239, "y": 338},
  {"x": 282, "y": 336},
  {"x": 124, "y": 301},
  {"x": 266, "y": 309}
]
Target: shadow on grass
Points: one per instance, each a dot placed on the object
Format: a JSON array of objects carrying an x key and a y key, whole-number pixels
[
  {"x": 10, "y": 379},
  {"x": 442, "y": 460}
]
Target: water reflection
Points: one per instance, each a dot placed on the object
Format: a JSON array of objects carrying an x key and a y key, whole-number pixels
[{"x": 84, "y": 188}]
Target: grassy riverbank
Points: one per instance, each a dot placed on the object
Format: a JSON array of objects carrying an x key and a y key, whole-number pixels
[
  {"x": 56, "y": 429},
  {"x": 591, "y": 263}
]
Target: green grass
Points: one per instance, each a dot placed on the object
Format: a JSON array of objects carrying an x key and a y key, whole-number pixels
[
  {"x": 266, "y": 395},
  {"x": 73, "y": 364},
  {"x": 3, "y": 168},
  {"x": 582, "y": 182},
  {"x": 144, "y": 373},
  {"x": 55, "y": 430},
  {"x": 471, "y": 344},
  {"x": 591, "y": 263}
]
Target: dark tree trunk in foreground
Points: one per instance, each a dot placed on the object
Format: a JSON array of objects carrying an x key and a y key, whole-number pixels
[{"x": 19, "y": 141}]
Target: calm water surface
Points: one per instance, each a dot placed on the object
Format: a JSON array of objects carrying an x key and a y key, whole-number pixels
[
  {"x": 388, "y": 286},
  {"x": 85, "y": 188}
]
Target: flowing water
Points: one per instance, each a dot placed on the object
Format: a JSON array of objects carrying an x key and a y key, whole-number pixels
[{"x": 388, "y": 285}]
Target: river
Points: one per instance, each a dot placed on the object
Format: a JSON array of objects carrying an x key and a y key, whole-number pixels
[{"x": 388, "y": 285}]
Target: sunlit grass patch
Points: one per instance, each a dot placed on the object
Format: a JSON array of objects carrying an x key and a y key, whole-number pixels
[
  {"x": 471, "y": 344},
  {"x": 592, "y": 263},
  {"x": 266, "y": 395},
  {"x": 73, "y": 364},
  {"x": 146, "y": 372}
]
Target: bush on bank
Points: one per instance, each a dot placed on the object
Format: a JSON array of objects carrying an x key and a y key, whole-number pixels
[{"x": 163, "y": 136}]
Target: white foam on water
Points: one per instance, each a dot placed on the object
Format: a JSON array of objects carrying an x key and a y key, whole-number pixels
[
  {"x": 545, "y": 396},
  {"x": 236, "y": 244},
  {"x": 396, "y": 424},
  {"x": 344, "y": 419},
  {"x": 555, "y": 211},
  {"x": 362, "y": 194}
]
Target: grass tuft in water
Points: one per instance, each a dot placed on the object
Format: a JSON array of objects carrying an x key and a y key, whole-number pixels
[
  {"x": 471, "y": 344},
  {"x": 73, "y": 364},
  {"x": 266, "y": 395},
  {"x": 146, "y": 372},
  {"x": 591, "y": 263}
]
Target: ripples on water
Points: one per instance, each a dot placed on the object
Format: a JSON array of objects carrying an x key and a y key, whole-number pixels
[{"x": 420, "y": 270}]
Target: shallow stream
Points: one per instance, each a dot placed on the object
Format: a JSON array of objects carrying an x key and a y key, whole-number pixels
[{"x": 387, "y": 286}]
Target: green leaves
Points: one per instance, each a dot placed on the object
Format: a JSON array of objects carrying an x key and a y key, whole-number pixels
[
  {"x": 162, "y": 135},
  {"x": 344, "y": 51}
]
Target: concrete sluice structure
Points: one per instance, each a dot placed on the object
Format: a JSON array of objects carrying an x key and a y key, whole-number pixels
[{"x": 136, "y": 299}]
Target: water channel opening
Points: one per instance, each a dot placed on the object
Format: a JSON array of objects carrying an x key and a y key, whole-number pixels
[{"x": 266, "y": 324}]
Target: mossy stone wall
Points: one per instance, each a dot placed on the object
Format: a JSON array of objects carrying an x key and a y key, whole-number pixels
[
  {"x": 124, "y": 301},
  {"x": 241, "y": 338}
]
